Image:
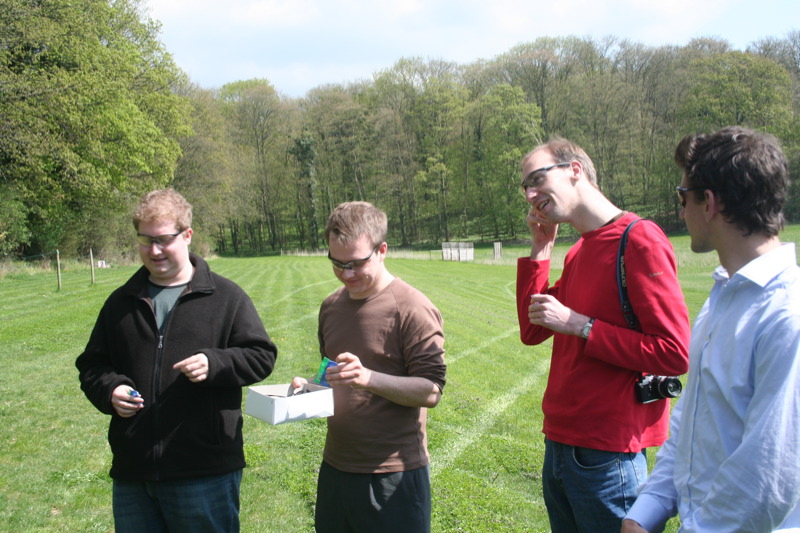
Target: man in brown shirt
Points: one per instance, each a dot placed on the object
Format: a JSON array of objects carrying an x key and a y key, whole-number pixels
[{"x": 386, "y": 338}]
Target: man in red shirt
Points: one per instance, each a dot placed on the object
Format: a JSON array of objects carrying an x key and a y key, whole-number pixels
[{"x": 596, "y": 429}]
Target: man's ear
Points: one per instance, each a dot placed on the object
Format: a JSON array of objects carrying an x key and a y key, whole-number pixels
[
  {"x": 712, "y": 204},
  {"x": 577, "y": 169}
]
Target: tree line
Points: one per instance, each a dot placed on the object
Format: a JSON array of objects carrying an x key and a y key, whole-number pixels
[{"x": 94, "y": 112}]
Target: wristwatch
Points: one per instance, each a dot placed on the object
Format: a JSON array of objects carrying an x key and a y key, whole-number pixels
[{"x": 587, "y": 329}]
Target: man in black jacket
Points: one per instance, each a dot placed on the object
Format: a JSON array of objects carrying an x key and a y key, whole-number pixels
[{"x": 167, "y": 359}]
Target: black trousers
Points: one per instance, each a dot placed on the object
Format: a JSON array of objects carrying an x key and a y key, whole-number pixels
[{"x": 373, "y": 503}]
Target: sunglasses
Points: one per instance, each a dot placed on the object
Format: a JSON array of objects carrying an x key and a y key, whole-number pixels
[
  {"x": 535, "y": 177},
  {"x": 683, "y": 190},
  {"x": 356, "y": 264},
  {"x": 161, "y": 241}
]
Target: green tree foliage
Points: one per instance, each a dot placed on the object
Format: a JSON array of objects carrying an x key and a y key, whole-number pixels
[
  {"x": 13, "y": 230},
  {"x": 503, "y": 126},
  {"x": 435, "y": 118},
  {"x": 337, "y": 120},
  {"x": 93, "y": 112},
  {"x": 206, "y": 173},
  {"x": 737, "y": 88},
  {"x": 264, "y": 203},
  {"x": 87, "y": 114},
  {"x": 786, "y": 52},
  {"x": 305, "y": 153}
]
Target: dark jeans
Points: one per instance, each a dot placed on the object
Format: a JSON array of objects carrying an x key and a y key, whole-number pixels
[
  {"x": 199, "y": 505},
  {"x": 396, "y": 502},
  {"x": 589, "y": 491}
]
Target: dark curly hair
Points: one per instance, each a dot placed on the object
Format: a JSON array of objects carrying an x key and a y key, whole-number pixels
[{"x": 745, "y": 169}]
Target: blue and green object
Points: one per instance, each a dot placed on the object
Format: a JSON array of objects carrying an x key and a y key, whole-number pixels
[{"x": 323, "y": 366}]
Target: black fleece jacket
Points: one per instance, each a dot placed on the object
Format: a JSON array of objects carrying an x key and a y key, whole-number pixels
[{"x": 186, "y": 429}]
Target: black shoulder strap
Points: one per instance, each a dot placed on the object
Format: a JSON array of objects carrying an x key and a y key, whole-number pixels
[{"x": 622, "y": 281}]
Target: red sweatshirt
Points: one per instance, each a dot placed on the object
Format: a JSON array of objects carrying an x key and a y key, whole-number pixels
[{"x": 590, "y": 399}]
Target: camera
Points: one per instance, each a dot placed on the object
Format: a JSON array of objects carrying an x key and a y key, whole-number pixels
[{"x": 650, "y": 388}]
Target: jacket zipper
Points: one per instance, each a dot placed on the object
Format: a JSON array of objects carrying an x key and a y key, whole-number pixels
[
  {"x": 156, "y": 417},
  {"x": 157, "y": 378}
]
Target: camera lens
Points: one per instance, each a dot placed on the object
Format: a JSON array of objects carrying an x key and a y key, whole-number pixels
[{"x": 670, "y": 387}]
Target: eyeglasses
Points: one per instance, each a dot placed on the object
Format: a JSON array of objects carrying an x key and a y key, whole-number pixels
[
  {"x": 683, "y": 190},
  {"x": 148, "y": 241},
  {"x": 356, "y": 264},
  {"x": 535, "y": 177}
]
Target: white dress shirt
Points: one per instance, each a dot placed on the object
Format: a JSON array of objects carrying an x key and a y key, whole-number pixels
[{"x": 732, "y": 462}]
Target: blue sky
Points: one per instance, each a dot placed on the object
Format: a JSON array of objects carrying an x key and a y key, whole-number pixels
[{"x": 300, "y": 44}]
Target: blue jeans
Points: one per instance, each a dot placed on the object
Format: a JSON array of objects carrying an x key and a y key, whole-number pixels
[
  {"x": 589, "y": 491},
  {"x": 198, "y": 505}
]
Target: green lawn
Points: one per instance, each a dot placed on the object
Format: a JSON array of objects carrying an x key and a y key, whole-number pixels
[{"x": 485, "y": 438}]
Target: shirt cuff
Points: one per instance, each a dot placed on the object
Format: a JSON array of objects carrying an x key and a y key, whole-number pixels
[{"x": 649, "y": 512}]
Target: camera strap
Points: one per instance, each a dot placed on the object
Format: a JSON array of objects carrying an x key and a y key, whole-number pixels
[
  {"x": 622, "y": 286},
  {"x": 622, "y": 279}
]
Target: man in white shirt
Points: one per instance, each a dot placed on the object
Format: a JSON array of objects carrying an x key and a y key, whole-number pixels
[{"x": 732, "y": 462}]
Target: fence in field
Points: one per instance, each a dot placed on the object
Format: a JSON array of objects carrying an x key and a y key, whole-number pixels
[{"x": 45, "y": 258}]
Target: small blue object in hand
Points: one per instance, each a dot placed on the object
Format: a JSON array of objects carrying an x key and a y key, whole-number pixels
[{"x": 323, "y": 366}]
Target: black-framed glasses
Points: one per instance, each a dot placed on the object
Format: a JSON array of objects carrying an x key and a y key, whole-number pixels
[
  {"x": 161, "y": 240},
  {"x": 683, "y": 190},
  {"x": 535, "y": 177},
  {"x": 356, "y": 264}
]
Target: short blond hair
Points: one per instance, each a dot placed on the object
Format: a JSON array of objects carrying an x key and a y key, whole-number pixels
[
  {"x": 350, "y": 220},
  {"x": 164, "y": 205},
  {"x": 563, "y": 151}
]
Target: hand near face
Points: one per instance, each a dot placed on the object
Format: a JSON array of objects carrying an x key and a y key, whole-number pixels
[{"x": 542, "y": 231}]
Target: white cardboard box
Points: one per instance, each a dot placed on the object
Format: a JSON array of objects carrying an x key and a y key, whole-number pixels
[{"x": 273, "y": 404}]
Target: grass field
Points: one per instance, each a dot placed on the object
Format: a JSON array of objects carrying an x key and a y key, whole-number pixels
[{"x": 485, "y": 438}]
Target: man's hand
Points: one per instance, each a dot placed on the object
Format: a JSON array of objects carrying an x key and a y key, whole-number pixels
[
  {"x": 124, "y": 404},
  {"x": 195, "y": 367},
  {"x": 348, "y": 371},
  {"x": 543, "y": 235},
  {"x": 547, "y": 311},
  {"x": 541, "y": 229},
  {"x": 298, "y": 382},
  {"x": 411, "y": 391},
  {"x": 629, "y": 526}
]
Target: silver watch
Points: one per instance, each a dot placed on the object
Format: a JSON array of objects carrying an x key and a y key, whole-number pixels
[{"x": 587, "y": 329}]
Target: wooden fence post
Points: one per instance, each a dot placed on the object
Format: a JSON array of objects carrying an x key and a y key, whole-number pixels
[
  {"x": 91, "y": 262},
  {"x": 58, "y": 268},
  {"x": 498, "y": 250}
]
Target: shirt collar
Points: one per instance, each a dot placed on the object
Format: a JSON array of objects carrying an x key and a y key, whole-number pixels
[{"x": 763, "y": 268}]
